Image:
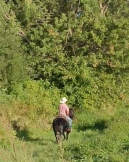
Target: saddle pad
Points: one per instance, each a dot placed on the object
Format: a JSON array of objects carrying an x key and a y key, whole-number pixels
[{"x": 63, "y": 117}]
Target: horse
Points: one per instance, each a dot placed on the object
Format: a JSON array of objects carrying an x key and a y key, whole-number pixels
[{"x": 60, "y": 126}]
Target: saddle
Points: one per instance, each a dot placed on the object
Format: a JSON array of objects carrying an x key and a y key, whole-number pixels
[{"x": 63, "y": 117}]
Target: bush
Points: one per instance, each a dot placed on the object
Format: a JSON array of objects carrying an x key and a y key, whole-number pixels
[{"x": 41, "y": 99}]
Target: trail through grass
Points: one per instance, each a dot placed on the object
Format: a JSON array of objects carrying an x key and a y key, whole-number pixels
[
  {"x": 47, "y": 150},
  {"x": 89, "y": 145}
]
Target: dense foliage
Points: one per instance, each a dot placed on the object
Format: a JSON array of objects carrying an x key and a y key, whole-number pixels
[{"x": 78, "y": 49}]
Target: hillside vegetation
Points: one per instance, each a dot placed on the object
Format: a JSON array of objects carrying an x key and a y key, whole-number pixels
[{"x": 54, "y": 48}]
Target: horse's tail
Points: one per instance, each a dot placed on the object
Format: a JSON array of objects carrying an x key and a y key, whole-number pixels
[{"x": 60, "y": 131}]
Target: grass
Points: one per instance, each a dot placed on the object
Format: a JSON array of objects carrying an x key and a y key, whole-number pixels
[
  {"x": 47, "y": 150},
  {"x": 17, "y": 151},
  {"x": 102, "y": 140},
  {"x": 89, "y": 145},
  {"x": 97, "y": 136}
]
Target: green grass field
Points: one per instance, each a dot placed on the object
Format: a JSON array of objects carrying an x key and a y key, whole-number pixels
[
  {"x": 97, "y": 136},
  {"x": 91, "y": 145}
]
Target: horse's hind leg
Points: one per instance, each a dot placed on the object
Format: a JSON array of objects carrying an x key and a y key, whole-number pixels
[
  {"x": 64, "y": 135},
  {"x": 67, "y": 135},
  {"x": 58, "y": 137}
]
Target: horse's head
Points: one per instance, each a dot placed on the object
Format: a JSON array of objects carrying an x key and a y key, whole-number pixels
[{"x": 71, "y": 113}]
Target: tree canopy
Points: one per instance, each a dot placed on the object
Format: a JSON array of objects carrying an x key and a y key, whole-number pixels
[{"x": 79, "y": 46}]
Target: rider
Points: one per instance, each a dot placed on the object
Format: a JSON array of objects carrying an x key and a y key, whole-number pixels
[{"x": 64, "y": 111}]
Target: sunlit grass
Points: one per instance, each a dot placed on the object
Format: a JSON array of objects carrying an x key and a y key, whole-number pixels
[{"x": 97, "y": 136}]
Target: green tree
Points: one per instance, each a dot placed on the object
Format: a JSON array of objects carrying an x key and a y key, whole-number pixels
[
  {"x": 11, "y": 57},
  {"x": 77, "y": 45}
]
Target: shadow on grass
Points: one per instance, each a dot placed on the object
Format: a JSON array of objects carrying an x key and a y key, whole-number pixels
[
  {"x": 22, "y": 132},
  {"x": 100, "y": 125},
  {"x": 126, "y": 147},
  {"x": 24, "y": 135}
]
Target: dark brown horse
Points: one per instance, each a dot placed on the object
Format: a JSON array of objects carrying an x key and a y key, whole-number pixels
[{"x": 60, "y": 126}]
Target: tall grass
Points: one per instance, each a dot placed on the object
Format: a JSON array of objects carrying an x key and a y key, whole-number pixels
[{"x": 17, "y": 151}]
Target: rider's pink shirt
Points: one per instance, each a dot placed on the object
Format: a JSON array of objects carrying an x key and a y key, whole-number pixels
[{"x": 63, "y": 109}]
